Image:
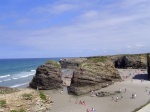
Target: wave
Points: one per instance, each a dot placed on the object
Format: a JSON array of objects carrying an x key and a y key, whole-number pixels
[
  {"x": 23, "y": 76},
  {"x": 7, "y": 80},
  {"x": 19, "y": 85},
  {"x": 4, "y": 76},
  {"x": 33, "y": 70},
  {"x": 18, "y": 77}
]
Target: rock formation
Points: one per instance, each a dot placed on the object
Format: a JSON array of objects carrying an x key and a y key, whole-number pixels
[
  {"x": 148, "y": 66},
  {"x": 71, "y": 63},
  {"x": 48, "y": 76},
  {"x": 135, "y": 61},
  {"x": 92, "y": 74}
]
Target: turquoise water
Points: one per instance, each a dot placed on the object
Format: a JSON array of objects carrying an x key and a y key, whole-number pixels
[{"x": 19, "y": 72}]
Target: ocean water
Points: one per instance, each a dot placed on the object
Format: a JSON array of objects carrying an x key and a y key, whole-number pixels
[{"x": 19, "y": 72}]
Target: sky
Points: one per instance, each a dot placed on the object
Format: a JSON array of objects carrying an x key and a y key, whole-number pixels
[{"x": 73, "y": 28}]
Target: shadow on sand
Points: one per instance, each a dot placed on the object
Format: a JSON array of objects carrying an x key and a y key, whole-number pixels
[{"x": 141, "y": 76}]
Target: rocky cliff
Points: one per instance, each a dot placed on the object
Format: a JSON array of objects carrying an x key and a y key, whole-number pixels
[
  {"x": 71, "y": 63},
  {"x": 148, "y": 66},
  {"x": 48, "y": 76},
  {"x": 120, "y": 61},
  {"x": 130, "y": 61},
  {"x": 92, "y": 74}
]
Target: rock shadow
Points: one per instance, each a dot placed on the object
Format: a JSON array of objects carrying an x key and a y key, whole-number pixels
[{"x": 141, "y": 76}]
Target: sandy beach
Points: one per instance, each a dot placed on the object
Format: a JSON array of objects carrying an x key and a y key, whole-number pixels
[{"x": 134, "y": 82}]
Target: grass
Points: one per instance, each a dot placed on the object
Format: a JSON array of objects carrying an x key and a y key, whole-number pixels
[
  {"x": 141, "y": 107},
  {"x": 2, "y": 103},
  {"x": 7, "y": 90},
  {"x": 27, "y": 96},
  {"x": 20, "y": 110},
  {"x": 56, "y": 64},
  {"x": 97, "y": 59},
  {"x": 42, "y": 96}
]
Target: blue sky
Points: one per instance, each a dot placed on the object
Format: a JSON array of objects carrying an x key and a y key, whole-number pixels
[{"x": 73, "y": 28}]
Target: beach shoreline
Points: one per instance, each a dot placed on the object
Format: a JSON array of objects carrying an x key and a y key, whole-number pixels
[{"x": 132, "y": 83}]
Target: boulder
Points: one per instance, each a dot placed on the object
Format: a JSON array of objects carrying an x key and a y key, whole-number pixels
[
  {"x": 148, "y": 66},
  {"x": 48, "y": 76},
  {"x": 93, "y": 74}
]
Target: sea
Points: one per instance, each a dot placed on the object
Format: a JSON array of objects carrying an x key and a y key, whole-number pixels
[{"x": 17, "y": 73}]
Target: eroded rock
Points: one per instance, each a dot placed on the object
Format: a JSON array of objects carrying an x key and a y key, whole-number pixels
[{"x": 48, "y": 76}]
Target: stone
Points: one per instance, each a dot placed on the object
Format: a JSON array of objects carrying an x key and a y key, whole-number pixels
[
  {"x": 47, "y": 77},
  {"x": 93, "y": 74},
  {"x": 71, "y": 63}
]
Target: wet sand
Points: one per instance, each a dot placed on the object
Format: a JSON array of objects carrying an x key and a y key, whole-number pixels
[{"x": 132, "y": 83}]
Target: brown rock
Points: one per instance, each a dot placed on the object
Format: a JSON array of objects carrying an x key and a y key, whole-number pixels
[
  {"x": 48, "y": 76},
  {"x": 93, "y": 74}
]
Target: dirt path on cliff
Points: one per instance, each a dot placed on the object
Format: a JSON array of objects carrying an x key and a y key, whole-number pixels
[{"x": 132, "y": 83}]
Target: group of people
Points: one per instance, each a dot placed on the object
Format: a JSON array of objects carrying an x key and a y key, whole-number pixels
[
  {"x": 90, "y": 110},
  {"x": 82, "y": 103}
]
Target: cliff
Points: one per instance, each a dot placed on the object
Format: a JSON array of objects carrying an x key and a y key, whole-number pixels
[
  {"x": 134, "y": 61},
  {"x": 48, "y": 76},
  {"x": 120, "y": 61},
  {"x": 71, "y": 63},
  {"x": 92, "y": 74}
]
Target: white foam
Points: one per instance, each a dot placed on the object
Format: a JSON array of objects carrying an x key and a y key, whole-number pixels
[
  {"x": 19, "y": 85},
  {"x": 7, "y": 80},
  {"x": 33, "y": 70},
  {"x": 4, "y": 76},
  {"x": 23, "y": 76}
]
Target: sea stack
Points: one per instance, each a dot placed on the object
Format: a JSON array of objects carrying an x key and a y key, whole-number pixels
[
  {"x": 93, "y": 74},
  {"x": 148, "y": 66},
  {"x": 47, "y": 77}
]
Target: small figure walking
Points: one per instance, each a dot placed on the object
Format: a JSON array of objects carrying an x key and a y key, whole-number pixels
[
  {"x": 125, "y": 90},
  {"x": 117, "y": 98}
]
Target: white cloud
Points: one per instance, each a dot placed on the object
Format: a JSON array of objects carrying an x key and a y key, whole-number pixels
[
  {"x": 93, "y": 29},
  {"x": 56, "y": 8}
]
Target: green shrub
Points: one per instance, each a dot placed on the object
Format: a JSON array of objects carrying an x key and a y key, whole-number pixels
[
  {"x": 56, "y": 64},
  {"x": 13, "y": 111},
  {"x": 42, "y": 96},
  {"x": 27, "y": 96},
  {"x": 2, "y": 103},
  {"x": 21, "y": 110},
  {"x": 97, "y": 59}
]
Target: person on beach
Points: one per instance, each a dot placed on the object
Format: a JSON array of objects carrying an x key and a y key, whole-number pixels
[
  {"x": 87, "y": 110},
  {"x": 120, "y": 90},
  {"x": 61, "y": 91},
  {"x": 125, "y": 90},
  {"x": 93, "y": 110},
  {"x": 117, "y": 98},
  {"x": 83, "y": 103}
]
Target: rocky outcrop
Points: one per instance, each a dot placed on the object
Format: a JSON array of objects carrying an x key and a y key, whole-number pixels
[
  {"x": 135, "y": 61},
  {"x": 71, "y": 63},
  {"x": 148, "y": 66},
  {"x": 48, "y": 76},
  {"x": 93, "y": 74}
]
